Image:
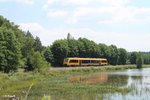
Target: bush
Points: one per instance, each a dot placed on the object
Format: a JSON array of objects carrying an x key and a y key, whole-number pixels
[{"x": 36, "y": 61}]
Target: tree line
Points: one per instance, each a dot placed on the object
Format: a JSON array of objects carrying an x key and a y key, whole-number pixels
[
  {"x": 19, "y": 49},
  {"x": 85, "y": 48}
]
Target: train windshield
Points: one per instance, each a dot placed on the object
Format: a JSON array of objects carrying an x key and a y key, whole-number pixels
[{"x": 66, "y": 60}]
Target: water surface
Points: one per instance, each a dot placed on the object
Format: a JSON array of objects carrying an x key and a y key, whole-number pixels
[{"x": 138, "y": 80}]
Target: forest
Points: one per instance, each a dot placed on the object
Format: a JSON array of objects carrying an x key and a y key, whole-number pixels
[{"x": 19, "y": 49}]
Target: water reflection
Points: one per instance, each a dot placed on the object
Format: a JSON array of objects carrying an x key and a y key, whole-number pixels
[
  {"x": 97, "y": 78},
  {"x": 137, "y": 80},
  {"x": 101, "y": 78}
]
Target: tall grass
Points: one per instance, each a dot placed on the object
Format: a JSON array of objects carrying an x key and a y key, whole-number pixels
[{"x": 33, "y": 86}]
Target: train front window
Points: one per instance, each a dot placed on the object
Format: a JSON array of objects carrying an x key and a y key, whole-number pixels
[{"x": 66, "y": 60}]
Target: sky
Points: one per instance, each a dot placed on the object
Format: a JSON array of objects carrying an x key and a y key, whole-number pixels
[{"x": 124, "y": 23}]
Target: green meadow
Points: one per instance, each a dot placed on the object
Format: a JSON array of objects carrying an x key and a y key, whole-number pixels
[{"x": 55, "y": 84}]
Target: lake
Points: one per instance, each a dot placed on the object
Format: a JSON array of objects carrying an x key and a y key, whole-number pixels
[{"x": 138, "y": 80}]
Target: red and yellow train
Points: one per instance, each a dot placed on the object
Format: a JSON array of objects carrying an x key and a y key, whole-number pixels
[{"x": 85, "y": 62}]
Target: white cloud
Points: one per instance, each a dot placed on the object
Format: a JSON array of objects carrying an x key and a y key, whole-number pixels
[
  {"x": 20, "y": 1},
  {"x": 69, "y": 2},
  {"x": 51, "y": 1},
  {"x": 25, "y": 1},
  {"x": 114, "y": 14},
  {"x": 37, "y": 30},
  {"x": 57, "y": 14},
  {"x": 34, "y": 27},
  {"x": 115, "y": 2},
  {"x": 87, "y": 2},
  {"x": 108, "y": 11},
  {"x": 78, "y": 2},
  {"x": 71, "y": 21}
]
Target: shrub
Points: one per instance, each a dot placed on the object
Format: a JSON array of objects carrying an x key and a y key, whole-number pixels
[{"x": 36, "y": 61}]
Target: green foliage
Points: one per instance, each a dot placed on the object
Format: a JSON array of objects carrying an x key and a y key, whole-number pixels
[
  {"x": 122, "y": 56},
  {"x": 27, "y": 45},
  {"x": 36, "y": 61},
  {"x": 48, "y": 55},
  {"x": 87, "y": 48},
  {"x": 133, "y": 57},
  {"x": 37, "y": 45},
  {"x": 2, "y": 50},
  {"x": 16, "y": 48},
  {"x": 60, "y": 51},
  {"x": 114, "y": 55},
  {"x": 104, "y": 51},
  {"x": 9, "y": 50},
  {"x": 139, "y": 60},
  {"x": 73, "y": 48},
  {"x": 146, "y": 58}
]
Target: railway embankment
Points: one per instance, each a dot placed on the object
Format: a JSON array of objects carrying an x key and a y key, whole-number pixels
[{"x": 94, "y": 68}]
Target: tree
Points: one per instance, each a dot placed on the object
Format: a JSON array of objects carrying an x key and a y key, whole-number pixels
[
  {"x": 133, "y": 57},
  {"x": 27, "y": 45},
  {"x": 36, "y": 61},
  {"x": 2, "y": 50},
  {"x": 16, "y": 46},
  {"x": 73, "y": 48},
  {"x": 146, "y": 58},
  {"x": 104, "y": 51},
  {"x": 60, "y": 51},
  {"x": 1, "y": 20},
  {"x": 10, "y": 51},
  {"x": 122, "y": 56},
  {"x": 81, "y": 48},
  {"x": 139, "y": 60},
  {"x": 87, "y": 48},
  {"x": 48, "y": 55},
  {"x": 37, "y": 45},
  {"x": 69, "y": 37},
  {"x": 114, "y": 55}
]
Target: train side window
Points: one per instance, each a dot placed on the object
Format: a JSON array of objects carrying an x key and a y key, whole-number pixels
[
  {"x": 94, "y": 61},
  {"x": 97, "y": 61},
  {"x": 73, "y": 61},
  {"x": 85, "y": 61}
]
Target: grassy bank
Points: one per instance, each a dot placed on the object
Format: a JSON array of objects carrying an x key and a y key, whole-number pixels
[
  {"x": 55, "y": 84},
  {"x": 93, "y": 69}
]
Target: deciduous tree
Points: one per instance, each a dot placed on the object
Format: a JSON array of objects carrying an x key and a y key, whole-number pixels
[{"x": 60, "y": 51}]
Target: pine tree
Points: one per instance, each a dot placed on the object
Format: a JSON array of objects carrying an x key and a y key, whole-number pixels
[{"x": 37, "y": 45}]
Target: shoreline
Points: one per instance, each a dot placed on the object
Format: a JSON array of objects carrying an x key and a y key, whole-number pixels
[{"x": 95, "y": 68}]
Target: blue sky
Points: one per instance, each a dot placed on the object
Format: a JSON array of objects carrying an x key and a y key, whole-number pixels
[{"x": 124, "y": 23}]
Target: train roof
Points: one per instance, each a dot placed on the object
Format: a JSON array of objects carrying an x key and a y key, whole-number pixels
[{"x": 86, "y": 58}]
